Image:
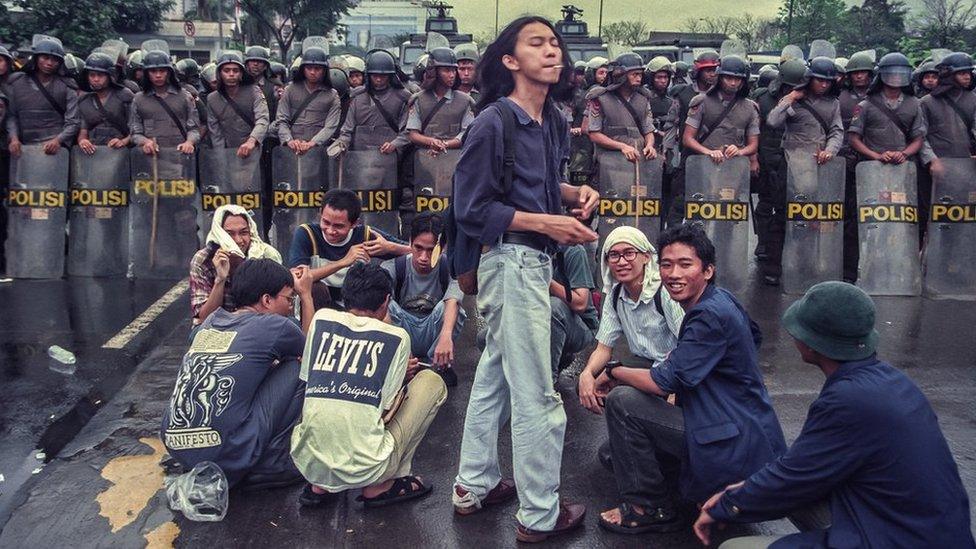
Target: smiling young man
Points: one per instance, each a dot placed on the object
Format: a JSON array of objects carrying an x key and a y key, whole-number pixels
[
  {"x": 723, "y": 426},
  {"x": 338, "y": 242},
  {"x": 525, "y": 71}
]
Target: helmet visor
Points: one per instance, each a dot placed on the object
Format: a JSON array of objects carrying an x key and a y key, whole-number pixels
[{"x": 896, "y": 77}]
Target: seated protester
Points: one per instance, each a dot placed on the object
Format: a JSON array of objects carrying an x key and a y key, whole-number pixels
[
  {"x": 724, "y": 426},
  {"x": 574, "y": 318},
  {"x": 338, "y": 242},
  {"x": 871, "y": 443},
  {"x": 426, "y": 301},
  {"x": 233, "y": 237},
  {"x": 238, "y": 394},
  {"x": 363, "y": 436}
]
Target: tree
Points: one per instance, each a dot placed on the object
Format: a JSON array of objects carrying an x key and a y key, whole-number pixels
[
  {"x": 628, "y": 33},
  {"x": 876, "y": 24},
  {"x": 755, "y": 33},
  {"x": 808, "y": 20},
  {"x": 84, "y": 24},
  {"x": 285, "y": 20},
  {"x": 944, "y": 23}
]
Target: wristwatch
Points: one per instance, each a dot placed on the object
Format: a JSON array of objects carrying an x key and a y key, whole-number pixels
[{"x": 609, "y": 368}]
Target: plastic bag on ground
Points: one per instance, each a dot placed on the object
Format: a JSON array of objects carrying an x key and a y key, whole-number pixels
[{"x": 201, "y": 494}]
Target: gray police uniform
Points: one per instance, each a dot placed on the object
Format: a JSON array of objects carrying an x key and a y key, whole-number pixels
[
  {"x": 230, "y": 129},
  {"x": 106, "y": 120},
  {"x": 316, "y": 123},
  {"x": 32, "y": 118},
  {"x": 448, "y": 122},
  {"x": 148, "y": 119},
  {"x": 366, "y": 127}
]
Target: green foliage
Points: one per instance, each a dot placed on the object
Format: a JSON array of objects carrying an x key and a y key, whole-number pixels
[
  {"x": 627, "y": 33},
  {"x": 809, "y": 20},
  {"x": 877, "y": 24},
  {"x": 285, "y": 21}
]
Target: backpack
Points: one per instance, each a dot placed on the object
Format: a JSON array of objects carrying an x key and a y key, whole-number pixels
[{"x": 465, "y": 252}]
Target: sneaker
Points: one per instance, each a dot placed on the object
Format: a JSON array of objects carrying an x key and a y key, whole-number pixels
[{"x": 570, "y": 517}]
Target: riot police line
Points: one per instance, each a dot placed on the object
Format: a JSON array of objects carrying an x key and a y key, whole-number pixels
[{"x": 135, "y": 214}]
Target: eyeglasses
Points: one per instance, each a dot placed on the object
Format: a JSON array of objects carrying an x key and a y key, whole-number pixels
[{"x": 628, "y": 255}]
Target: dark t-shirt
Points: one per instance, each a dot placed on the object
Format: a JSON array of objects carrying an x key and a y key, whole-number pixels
[
  {"x": 576, "y": 269},
  {"x": 210, "y": 409}
]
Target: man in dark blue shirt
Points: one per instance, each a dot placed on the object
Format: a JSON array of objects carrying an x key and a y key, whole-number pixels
[
  {"x": 871, "y": 443},
  {"x": 724, "y": 426},
  {"x": 524, "y": 70}
]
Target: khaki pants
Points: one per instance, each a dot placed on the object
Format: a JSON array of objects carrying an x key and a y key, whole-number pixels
[{"x": 426, "y": 393}]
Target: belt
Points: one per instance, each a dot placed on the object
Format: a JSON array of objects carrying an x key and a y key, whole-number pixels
[{"x": 535, "y": 241}]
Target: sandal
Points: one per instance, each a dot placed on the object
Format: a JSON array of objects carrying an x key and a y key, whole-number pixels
[
  {"x": 660, "y": 519},
  {"x": 403, "y": 489}
]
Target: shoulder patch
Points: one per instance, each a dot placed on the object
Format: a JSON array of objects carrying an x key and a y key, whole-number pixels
[
  {"x": 696, "y": 100},
  {"x": 595, "y": 91}
]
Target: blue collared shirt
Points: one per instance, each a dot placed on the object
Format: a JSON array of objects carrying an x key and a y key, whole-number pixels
[
  {"x": 872, "y": 443},
  {"x": 483, "y": 213},
  {"x": 731, "y": 428}
]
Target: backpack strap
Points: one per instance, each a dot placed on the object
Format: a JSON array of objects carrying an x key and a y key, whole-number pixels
[
  {"x": 400, "y": 272},
  {"x": 443, "y": 274},
  {"x": 508, "y": 138},
  {"x": 311, "y": 237},
  {"x": 658, "y": 306}
]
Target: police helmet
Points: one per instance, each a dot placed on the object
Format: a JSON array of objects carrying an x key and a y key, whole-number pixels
[
  {"x": 100, "y": 62},
  {"x": 895, "y": 70},
  {"x": 257, "y": 53},
  {"x": 380, "y": 62},
  {"x": 314, "y": 56},
  {"x": 822, "y": 67},
  {"x": 628, "y": 61},
  {"x": 467, "y": 52},
  {"x": 860, "y": 61},
  {"x": 733, "y": 65},
  {"x": 156, "y": 60},
  {"x": 49, "y": 46},
  {"x": 441, "y": 57},
  {"x": 230, "y": 56}
]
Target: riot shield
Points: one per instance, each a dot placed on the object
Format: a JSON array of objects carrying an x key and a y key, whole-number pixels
[
  {"x": 227, "y": 179},
  {"x": 36, "y": 213},
  {"x": 950, "y": 256},
  {"x": 98, "y": 239},
  {"x": 162, "y": 214},
  {"x": 298, "y": 185},
  {"x": 791, "y": 51},
  {"x": 630, "y": 194},
  {"x": 717, "y": 196},
  {"x": 822, "y": 48},
  {"x": 373, "y": 176},
  {"x": 813, "y": 249},
  {"x": 732, "y": 46},
  {"x": 887, "y": 216},
  {"x": 432, "y": 179}
]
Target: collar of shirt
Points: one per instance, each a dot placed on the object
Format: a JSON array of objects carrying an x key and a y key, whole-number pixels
[
  {"x": 521, "y": 116},
  {"x": 846, "y": 367},
  {"x": 893, "y": 103},
  {"x": 449, "y": 95},
  {"x": 169, "y": 89},
  {"x": 633, "y": 304}
]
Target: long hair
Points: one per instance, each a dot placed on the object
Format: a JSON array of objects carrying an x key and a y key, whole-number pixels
[{"x": 496, "y": 81}]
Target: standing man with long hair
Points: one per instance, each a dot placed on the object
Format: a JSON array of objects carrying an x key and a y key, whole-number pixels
[{"x": 515, "y": 220}]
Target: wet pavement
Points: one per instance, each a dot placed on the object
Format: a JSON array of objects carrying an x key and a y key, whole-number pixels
[{"x": 106, "y": 488}]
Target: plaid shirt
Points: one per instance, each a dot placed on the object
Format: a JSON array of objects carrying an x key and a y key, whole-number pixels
[{"x": 202, "y": 277}]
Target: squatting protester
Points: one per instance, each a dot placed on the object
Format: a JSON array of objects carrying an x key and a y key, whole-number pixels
[
  {"x": 426, "y": 301},
  {"x": 574, "y": 317},
  {"x": 337, "y": 243},
  {"x": 367, "y": 404},
  {"x": 723, "y": 424},
  {"x": 233, "y": 237},
  {"x": 238, "y": 395},
  {"x": 871, "y": 443}
]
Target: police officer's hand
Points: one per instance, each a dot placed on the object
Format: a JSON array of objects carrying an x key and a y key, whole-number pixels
[
  {"x": 355, "y": 253},
  {"x": 587, "y": 201},
  {"x": 731, "y": 151},
  {"x": 795, "y": 96},
  {"x": 444, "y": 351},
  {"x": 630, "y": 153},
  {"x": 717, "y": 156},
  {"x": 937, "y": 169},
  {"x": 649, "y": 152},
  {"x": 296, "y": 146},
  {"x": 221, "y": 263},
  {"x": 302, "y": 276},
  {"x": 893, "y": 157},
  {"x": 754, "y": 165},
  {"x": 150, "y": 147},
  {"x": 86, "y": 146},
  {"x": 823, "y": 157},
  {"x": 246, "y": 148},
  {"x": 387, "y": 148},
  {"x": 185, "y": 147},
  {"x": 117, "y": 143},
  {"x": 14, "y": 146},
  {"x": 568, "y": 230},
  {"x": 52, "y": 146},
  {"x": 436, "y": 145}
]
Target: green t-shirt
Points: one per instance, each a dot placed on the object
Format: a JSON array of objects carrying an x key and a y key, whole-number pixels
[{"x": 578, "y": 273}]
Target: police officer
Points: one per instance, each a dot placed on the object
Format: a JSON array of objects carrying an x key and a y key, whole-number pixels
[
  {"x": 659, "y": 73},
  {"x": 596, "y": 72},
  {"x": 309, "y": 111},
  {"x": 860, "y": 71},
  {"x": 355, "y": 71},
  {"x": 6, "y": 65},
  {"x": 104, "y": 108},
  {"x": 377, "y": 110},
  {"x": 772, "y": 163},
  {"x": 188, "y": 73},
  {"x": 925, "y": 78},
  {"x": 238, "y": 112},
  {"x": 620, "y": 116},
  {"x": 810, "y": 114},
  {"x": 170, "y": 110},
  {"x": 721, "y": 122},
  {"x": 467, "y": 60},
  {"x": 208, "y": 77},
  {"x": 42, "y": 101},
  {"x": 950, "y": 112},
  {"x": 133, "y": 71},
  {"x": 257, "y": 59},
  {"x": 439, "y": 113}
]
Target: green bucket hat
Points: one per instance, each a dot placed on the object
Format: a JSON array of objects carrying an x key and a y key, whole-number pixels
[{"x": 835, "y": 319}]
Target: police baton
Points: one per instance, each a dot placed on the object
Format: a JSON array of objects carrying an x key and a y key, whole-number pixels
[{"x": 155, "y": 210}]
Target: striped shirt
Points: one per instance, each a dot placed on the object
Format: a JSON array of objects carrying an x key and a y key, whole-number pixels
[{"x": 648, "y": 334}]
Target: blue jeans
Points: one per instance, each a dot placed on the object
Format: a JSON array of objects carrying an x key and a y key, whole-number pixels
[
  {"x": 425, "y": 330},
  {"x": 570, "y": 334},
  {"x": 514, "y": 380}
]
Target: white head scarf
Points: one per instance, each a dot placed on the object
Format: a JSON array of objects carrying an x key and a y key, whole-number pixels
[
  {"x": 258, "y": 249},
  {"x": 637, "y": 239}
]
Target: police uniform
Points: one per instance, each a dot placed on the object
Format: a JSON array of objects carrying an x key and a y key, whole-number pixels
[
  {"x": 609, "y": 115},
  {"x": 230, "y": 129},
  {"x": 771, "y": 163},
  {"x": 32, "y": 118},
  {"x": 849, "y": 100},
  {"x": 316, "y": 123},
  {"x": 148, "y": 119},
  {"x": 366, "y": 127},
  {"x": 106, "y": 120},
  {"x": 448, "y": 122}
]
